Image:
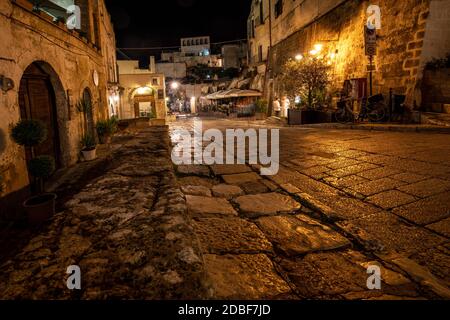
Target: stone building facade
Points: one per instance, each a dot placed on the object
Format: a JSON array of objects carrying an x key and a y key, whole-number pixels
[
  {"x": 412, "y": 33},
  {"x": 50, "y": 68},
  {"x": 143, "y": 92}
]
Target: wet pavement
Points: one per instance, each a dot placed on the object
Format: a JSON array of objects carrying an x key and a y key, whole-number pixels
[{"x": 343, "y": 200}]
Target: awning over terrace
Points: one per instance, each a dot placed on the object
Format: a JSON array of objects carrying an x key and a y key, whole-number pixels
[{"x": 233, "y": 93}]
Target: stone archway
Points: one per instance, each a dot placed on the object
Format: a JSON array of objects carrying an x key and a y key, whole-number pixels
[
  {"x": 39, "y": 93},
  {"x": 144, "y": 102}
]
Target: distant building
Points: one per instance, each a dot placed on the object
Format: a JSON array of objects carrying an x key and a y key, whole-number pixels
[
  {"x": 197, "y": 46},
  {"x": 143, "y": 91},
  {"x": 234, "y": 55}
]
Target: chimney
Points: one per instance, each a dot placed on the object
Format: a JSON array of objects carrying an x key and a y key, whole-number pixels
[{"x": 152, "y": 66}]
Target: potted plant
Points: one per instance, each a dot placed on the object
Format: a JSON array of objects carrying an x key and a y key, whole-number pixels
[
  {"x": 305, "y": 82},
  {"x": 31, "y": 133},
  {"x": 261, "y": 109},
  {"x": 87, "y": 142},
  {"x": 88, "y": 147},
  {"x": 106, "y": 130}
]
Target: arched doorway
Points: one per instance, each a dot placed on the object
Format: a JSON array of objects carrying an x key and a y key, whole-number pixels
[
  {"x": 144, "y": 102},
  {"x": 37, "y": 101}
]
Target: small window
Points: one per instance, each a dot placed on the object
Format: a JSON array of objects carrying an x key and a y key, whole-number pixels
[
  {"x": 278, "y": 8},
  {"x": 155, "y": 81},
  {"x": 261, "y": 12}
]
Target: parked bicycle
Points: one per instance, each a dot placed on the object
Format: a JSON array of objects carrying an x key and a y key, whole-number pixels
[{"x": 373, "y": 109}]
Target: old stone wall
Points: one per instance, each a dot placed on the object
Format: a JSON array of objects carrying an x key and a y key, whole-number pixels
[
  {"x": 341, "y": 31},
  {"x": 408, "y": 35},
  {"x": 131, "y": 84},
  {"x": 70, "y": 61}
]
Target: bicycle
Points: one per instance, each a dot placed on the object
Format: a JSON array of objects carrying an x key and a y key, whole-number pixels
[{"x": 372, "y": 109}]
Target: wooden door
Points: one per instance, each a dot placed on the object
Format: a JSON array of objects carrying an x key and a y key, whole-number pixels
[{"x": 37, "y": 101}]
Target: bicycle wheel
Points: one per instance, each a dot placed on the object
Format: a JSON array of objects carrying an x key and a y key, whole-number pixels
[
  {"x": 342, "y": 116},
  {"x": 376, "y": 113}
]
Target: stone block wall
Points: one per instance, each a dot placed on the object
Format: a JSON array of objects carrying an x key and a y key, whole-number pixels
[
  {"x": 70, "y": 62},
  {"x": 401, "y": 41}
]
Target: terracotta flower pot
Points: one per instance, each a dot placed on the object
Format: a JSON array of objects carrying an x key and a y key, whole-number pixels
[{"x": 40, "y": 208}]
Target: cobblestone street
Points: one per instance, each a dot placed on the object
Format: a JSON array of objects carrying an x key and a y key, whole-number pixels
[{"x": 343, "y": 200}]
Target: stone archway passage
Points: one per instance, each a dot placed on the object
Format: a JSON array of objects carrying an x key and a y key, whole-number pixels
[
  {"x": 144, "y": 105},
  {"x": 37, "y": 101}
]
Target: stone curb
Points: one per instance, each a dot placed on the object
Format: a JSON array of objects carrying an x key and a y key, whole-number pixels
[{"x": 389, "y": 128}]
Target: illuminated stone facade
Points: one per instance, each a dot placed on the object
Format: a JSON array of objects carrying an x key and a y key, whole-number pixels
[
  {"x": 73, "y": 62},
  {"x": 412, "y": 33}
]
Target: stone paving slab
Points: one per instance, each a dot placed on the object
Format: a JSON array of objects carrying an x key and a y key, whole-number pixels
[
  {"x": 426, "y": 188},
  {"x": 386, "y": 232},
  {"x": 244, "y": 277},
  {"x": 379, "y": 173},
  {"x": 436, "y": 260},
  {"x": 266, "y": 204},
  {"x": 227, "y": 191},
  {"x": 330, "y": 275},
  {"x": 220, "y": 170},
  {"x": 300, "y": 235},
  {"x": 241, "y": 178},
  {"x": 230, "y": 235},
  {"x": 377, "y": 186},
  {"x": 391, "y": 199},
  {"x": 196, "y": 191},
  {"x": 426, "y": 211},
  {"x": 209, "y": 206},
  {"x": 419, "y": 273},
  {"x": 348, "y": 171},
  {"x": 197, "y": 170},
  {"x": 255, "y": 187},
  {"x": 442, "y": 227},
  {"x": 198, "y": 181}
]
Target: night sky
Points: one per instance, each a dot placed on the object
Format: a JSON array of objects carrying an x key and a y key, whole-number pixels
[{"x": 162, "y": 23}]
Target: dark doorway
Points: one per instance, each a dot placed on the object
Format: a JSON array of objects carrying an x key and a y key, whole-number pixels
[{"x": 37, "y": 101}]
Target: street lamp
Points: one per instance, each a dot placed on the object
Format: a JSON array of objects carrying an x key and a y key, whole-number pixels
[{"x": 299, "y": 57}]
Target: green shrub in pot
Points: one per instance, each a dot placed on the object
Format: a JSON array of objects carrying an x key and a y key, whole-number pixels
[
  {"x": 31, "y": 133},
  {"x": 106, "y": 129}
]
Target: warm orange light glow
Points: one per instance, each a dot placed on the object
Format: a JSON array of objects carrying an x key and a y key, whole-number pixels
[{"x": 318, "y": 47}]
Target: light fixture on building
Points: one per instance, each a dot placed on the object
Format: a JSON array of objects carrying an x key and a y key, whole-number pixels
[
  {"x": 174, "y": 85},
  {"x": 318, "y": 47},
  {"x": 299, "y": 57},
  {"x": 144, "y": 90}
]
